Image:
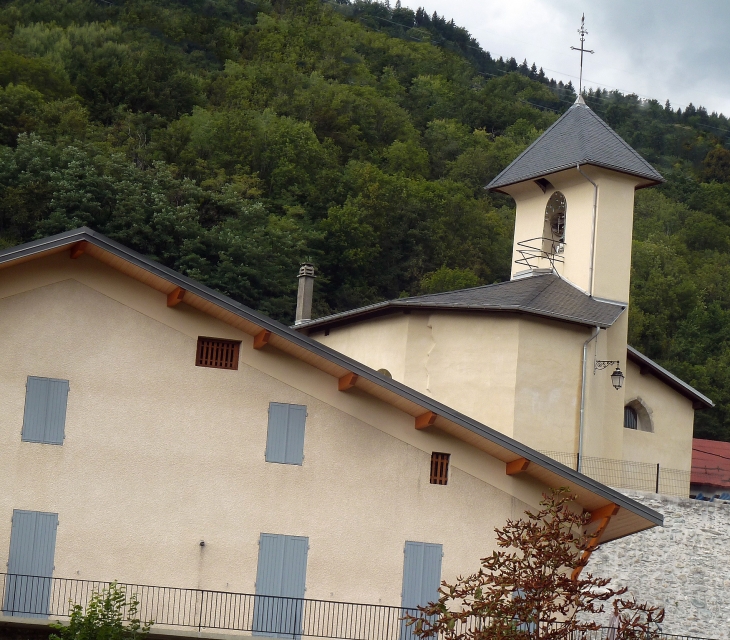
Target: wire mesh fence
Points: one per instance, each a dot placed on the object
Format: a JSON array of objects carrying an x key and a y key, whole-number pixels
[
  {"x": 271, "y": 616},
  {"x": 624, "y": 474}
]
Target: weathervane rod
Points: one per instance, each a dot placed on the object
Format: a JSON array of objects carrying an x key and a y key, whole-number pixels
[{"x": 583, "y": 32}]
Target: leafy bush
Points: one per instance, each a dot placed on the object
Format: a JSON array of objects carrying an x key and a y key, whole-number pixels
[{"x": 109, "y": 615}]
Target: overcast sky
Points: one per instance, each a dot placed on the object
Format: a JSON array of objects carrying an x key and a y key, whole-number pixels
[{"x": 663, "y": 49}]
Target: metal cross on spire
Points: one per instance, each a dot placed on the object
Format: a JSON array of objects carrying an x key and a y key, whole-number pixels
[{"x": 583, "y": 32}]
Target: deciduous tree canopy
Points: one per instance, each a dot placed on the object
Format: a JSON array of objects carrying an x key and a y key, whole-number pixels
[{"x": 233, "y": 139}]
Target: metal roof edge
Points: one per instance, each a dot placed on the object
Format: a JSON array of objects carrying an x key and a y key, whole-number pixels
[
  {"x": 335, "y": 357},
  {"x": 669, "y": 378}
]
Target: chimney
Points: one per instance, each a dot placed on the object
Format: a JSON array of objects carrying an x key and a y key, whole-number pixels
[{"x": 304, "y": 295}]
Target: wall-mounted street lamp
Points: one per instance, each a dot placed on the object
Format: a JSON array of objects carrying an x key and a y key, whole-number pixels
[{"x": 617, "y": 377}]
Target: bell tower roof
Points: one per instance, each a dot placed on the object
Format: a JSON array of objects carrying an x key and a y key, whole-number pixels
[{"x": 579, "y": 136}]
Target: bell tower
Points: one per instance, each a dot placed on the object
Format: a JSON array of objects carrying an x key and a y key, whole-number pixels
[{"x": 574, "y": 190}]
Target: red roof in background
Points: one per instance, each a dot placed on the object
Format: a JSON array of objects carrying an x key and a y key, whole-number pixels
[{"x": 711, "y": 463}]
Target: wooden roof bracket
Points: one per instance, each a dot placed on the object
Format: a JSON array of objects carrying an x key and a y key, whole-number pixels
[
  {"x": 175, "y": 297},
  {"x": 347, "y": 381},
  {"x": 517, "y": 466},
  {"x": 602, "y": 515},
  {"x": 425, "y": 420},
  {"x": 77, "y": 250},
  {"x": 261, "y": 339}
]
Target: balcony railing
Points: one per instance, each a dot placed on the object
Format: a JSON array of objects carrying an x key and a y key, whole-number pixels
[
  {"x": 624, "y": 474},
  {"x": 271, "y": 616}
]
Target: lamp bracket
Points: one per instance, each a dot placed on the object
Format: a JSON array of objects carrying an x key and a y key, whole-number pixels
[{"x": 600, "y": 365}]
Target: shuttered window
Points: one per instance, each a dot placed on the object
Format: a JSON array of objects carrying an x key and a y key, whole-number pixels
[
  {"x": 281, "y": 574},
  {"x": 30, "y": 564},
  {"x": 217, "y": 353},
  {"x": 421, "y": 579},
  {"x": 285, "y": 435},
  {"x": 440, "y": 468},
  {"x": 44, "y": 419}
]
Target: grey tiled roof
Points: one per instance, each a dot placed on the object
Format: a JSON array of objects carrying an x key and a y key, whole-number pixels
[
  {"x": 579, "y": 136},
  {"x": 545, "y": 295}
]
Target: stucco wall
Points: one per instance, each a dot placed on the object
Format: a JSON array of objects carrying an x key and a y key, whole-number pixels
[
  {"x": 378, "y": 343},
  {"x": 681, "y": 566},
  {"x": 160, "y": 454}
]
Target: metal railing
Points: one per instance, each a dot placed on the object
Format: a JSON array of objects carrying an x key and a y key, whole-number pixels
[
  {"x": 272, "y": 616},
  {"x": 41, "y": 597},
  {"x": 624, "y": 474}
]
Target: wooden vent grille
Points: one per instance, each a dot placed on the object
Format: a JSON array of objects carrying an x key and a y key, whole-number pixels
[
  {"x": 440, "y": 468},
  {"x": 217, "y": 353}
]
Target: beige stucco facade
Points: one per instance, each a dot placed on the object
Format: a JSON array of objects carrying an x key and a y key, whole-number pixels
[
  {"x": 522, "y": 375},
  {"x": 160, "y": 454}
]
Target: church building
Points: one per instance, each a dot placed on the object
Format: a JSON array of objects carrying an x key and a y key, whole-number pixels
[{"x": 544, "y": 357}]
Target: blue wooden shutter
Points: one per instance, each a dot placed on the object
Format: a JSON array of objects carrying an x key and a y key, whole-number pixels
[
  {"x": 285, "y": 435},
  {"x": 30, "y": 564},
  {"x": 281, "y": 575},
  {"x": 295, "y": 434},
  {"x": 44, "y": 419},
  {"x": 421, "y": 580}
]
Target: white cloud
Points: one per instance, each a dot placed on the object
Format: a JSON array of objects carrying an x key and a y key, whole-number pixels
[{"x": 663, "y": 49}]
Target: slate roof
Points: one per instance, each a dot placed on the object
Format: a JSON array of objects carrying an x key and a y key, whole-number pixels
[
  {"x": 545, "y": 295},
  {"x": 579, "y": 136}
]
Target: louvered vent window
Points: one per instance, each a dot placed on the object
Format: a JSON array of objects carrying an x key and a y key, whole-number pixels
[
  {"x": 440, "y": 468},
  {"x": 217, "y": 353}
]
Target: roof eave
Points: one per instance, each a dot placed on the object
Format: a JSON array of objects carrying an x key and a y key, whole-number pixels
[
  {"x": 699, "y": 400},
  {"x": 651, "y": 181}
]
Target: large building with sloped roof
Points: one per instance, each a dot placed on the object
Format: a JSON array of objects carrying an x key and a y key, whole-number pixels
[{"x": 544, "y": 357}]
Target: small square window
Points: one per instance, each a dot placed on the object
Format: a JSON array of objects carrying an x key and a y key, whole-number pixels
[
  {"x": 217, "y": 353},
  {"x": 440, "y": 468}
]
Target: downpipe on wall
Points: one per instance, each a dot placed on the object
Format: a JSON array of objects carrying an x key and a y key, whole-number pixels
[
  {"x": 583, "y": 398},
  {"x": 593, "y": 229}
]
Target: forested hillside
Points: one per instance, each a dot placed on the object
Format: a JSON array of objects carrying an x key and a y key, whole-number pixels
[{"x": 232, "y": 140}]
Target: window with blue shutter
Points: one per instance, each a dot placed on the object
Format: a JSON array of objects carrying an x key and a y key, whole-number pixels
[
  {"x": 285, "y": 435},
  {"x": 44, "y": 418},
  {"x": 280, "y": 583},
  {"x": 30, "y": 564},
  {"x": 421, "y": 579}
]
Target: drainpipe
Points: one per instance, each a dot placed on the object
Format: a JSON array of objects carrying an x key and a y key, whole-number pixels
[
  {"x": 583, "y": 398},
  {"x": 593, "y": 229}
]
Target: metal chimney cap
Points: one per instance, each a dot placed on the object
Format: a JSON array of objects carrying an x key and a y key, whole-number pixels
[{"x": 307, "y": 269}]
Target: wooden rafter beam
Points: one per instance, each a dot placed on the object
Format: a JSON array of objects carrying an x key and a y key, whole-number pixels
[
  {"x": 347, "y": 381},
  {"x": 517, "y": 466},
  {"x": 425, "y": 420},
  {"x": 261, "y": 339},
  {"x": 175, "y": 297},
  {"x": 596, "y": 539},
  {"x": 604, "y": 512},
  {"x": 77, "y": 250}
]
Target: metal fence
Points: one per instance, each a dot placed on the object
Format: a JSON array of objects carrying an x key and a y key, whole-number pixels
[
  {"x": 52, "y": 598},
  {"x": 623, "y": 474}
]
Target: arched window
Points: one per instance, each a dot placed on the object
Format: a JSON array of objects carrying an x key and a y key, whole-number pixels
[
  {"x": 631, "y": 419},
  {"x": 554, "y": 226},
  {"x": 637, "y": 416}
]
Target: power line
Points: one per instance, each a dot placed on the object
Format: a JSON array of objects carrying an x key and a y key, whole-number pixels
[{"x": 709, "y": 453}]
